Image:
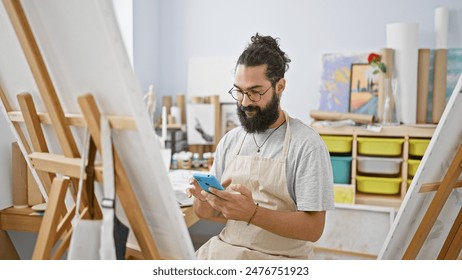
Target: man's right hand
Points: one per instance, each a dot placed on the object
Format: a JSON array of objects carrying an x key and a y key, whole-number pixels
[{"x": 195, "y": 190}]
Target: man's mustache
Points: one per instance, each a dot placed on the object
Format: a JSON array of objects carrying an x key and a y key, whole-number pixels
[{"x": 249, "y": 108}]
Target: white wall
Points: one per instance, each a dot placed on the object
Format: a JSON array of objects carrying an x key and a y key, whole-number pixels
[
  {"x": 146, "y": 35},
  {"x": 307, "y": 28}
]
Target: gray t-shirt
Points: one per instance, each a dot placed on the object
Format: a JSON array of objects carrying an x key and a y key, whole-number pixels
[{"x": 308, "y": 166}]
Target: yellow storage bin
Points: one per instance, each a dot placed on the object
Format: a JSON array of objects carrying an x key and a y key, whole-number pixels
[
  {"x": 338, "y": 144},
  {"x": 417, "y": 146},
  {"x": 412, "y": 165},
  {"x": 380, "y": 146},
  {"x": 378, "y": 185},
  {"x": 409, "y": 181}
]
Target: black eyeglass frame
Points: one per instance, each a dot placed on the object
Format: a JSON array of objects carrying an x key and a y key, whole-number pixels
[{"x": 242, "y": 92}]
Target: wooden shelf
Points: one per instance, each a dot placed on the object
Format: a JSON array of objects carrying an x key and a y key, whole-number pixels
[
  {"x": 401, "y": 131},
  {"x": 379, "y": 200},
  {"x": 425, "y": 131},
  {"x": 19, "y": 219}
]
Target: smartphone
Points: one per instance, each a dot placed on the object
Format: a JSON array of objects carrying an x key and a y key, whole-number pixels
[{"x": 207, "y": 180}]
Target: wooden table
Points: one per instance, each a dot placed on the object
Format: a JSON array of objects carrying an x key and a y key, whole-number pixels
[{"x": 19, "y": 219}]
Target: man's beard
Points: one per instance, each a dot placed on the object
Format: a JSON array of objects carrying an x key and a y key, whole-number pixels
[{"x": 262, "y": 119}]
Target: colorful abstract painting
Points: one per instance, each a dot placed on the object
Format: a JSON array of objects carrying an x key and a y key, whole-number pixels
[
  {"x": 335, "y": 80},
  {"x": 336, "y": 76}
]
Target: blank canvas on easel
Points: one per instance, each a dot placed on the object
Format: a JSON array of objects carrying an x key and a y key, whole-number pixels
[
  {"x": 440, "y": 152},
  {"x": 84, "y": 53}
]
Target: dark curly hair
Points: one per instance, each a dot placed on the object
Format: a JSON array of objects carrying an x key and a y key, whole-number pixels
[{"x": 265, "y": 50}]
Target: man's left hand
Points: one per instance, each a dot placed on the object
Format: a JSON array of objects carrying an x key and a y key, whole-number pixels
[{"x": 236, "y": 205}]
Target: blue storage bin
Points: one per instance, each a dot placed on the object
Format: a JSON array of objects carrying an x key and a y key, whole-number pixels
[{"x": 341, "y": 168}]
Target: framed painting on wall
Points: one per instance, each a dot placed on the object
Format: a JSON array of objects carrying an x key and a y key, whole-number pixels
[
  {"x": 364, "y": 89},
  {"x": 200, "y": 125},
  {"x": 335, "y": 80},
  {"x": 229, "y": 118},
  {"x": 454, "y": 70}
]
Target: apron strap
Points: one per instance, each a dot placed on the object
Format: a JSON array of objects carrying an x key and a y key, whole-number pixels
[
  {"x": 85, "y": 151},
  {"x": 237, "y": 148},
  {"x": 285, "y": 149},
  {"x": 107, "y": 249}
]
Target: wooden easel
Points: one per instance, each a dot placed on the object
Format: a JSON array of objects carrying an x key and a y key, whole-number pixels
[
  {"x": 453, "y": 243},
  {"x": 56, "y": 223},
  {"x": 428, "y": 224}
]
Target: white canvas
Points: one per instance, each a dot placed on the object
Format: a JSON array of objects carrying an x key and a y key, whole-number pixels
[
  {"x": 354, "y": 232},
  {"x": 84, "y": 53},
  {"x": 434, "y": 165}
]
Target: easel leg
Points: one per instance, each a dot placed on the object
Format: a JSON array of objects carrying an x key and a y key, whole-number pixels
[
  {"x": 34, "y": 129},
  {"x": 435, "y": 207},
  {"x": 124, "y": 189},
  {"x": 453, "y": 244},
  {"x": 50, "y": 221}
]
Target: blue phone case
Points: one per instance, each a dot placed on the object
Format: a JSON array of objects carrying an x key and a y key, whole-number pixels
[{"x": 206, "y": 181}]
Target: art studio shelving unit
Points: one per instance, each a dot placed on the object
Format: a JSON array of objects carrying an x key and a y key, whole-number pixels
[{"x": 374, "y": 184}]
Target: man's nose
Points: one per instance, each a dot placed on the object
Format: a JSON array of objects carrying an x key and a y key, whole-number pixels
[{"x": 246, "y": 101}]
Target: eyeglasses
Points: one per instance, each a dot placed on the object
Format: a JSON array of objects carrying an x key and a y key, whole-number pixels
[{"x": 253, "y": 95}]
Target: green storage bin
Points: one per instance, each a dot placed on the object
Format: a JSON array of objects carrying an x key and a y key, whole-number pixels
[{"x": 341, "y": 169}]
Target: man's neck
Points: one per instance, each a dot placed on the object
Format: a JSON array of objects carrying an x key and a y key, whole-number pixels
[{"x": 281, "y": 119}]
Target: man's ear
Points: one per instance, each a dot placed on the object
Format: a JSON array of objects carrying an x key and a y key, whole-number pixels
[{"x": 280, "y": 86}]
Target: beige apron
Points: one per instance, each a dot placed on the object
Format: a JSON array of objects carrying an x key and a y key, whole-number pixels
[{"x": 266, "y": 178}]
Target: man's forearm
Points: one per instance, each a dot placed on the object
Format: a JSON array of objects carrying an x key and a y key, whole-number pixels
[{"x": 298, "y": 225}]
